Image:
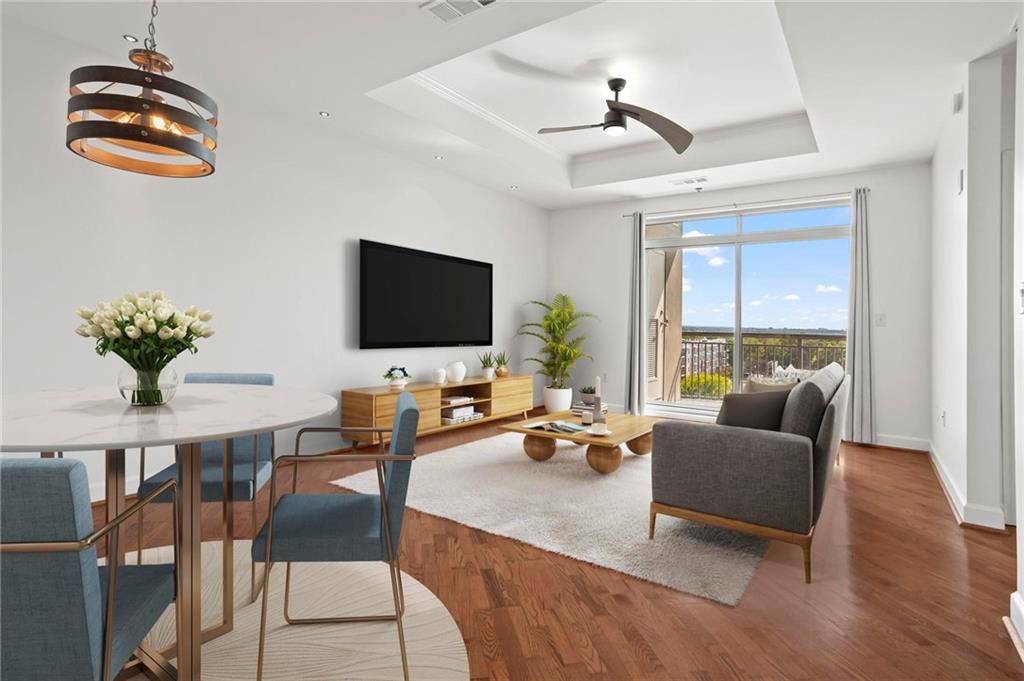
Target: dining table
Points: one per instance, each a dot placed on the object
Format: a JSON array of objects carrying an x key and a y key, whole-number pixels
[{"x": 97, "y": 419}]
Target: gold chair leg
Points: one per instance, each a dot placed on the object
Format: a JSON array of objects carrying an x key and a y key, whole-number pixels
[
  {"x": 326, "y": 620},
  {"x": 401, "y": 591},
  {"x": 399, "y": 607},
  {"x": 252, "y": 564},
  {"x": 263, "y": 622}
]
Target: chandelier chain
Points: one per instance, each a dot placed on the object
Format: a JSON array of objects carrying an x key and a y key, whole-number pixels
[{"x": 150, "y": 42}]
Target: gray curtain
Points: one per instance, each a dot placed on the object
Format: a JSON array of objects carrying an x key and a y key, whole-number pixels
[
  {"x": 636, "y": 379},
  {"x": 860, "y": 424}
]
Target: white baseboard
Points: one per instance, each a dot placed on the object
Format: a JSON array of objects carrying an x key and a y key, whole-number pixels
[
  {"x": 949, "y": 487},
  {"x": 903, "y": 442},
  {"x": 965, "y": 512},
  {"x": 1017, "y": 618},
  {"x": 985, "y": 516}
]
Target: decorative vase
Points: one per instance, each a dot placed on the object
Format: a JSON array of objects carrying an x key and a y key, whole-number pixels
[
  {"x": 456, "y": 372},
  {"x": 147, "y": 387},
  {"x": 397, "y": 383},
  {"x": 440, "y": 376},
  {"x": 488, "y": 373},
  {"x": 502, "y": 371},
  {"x": 557, "y": 399},
  {"x": 587, "y": 398}
]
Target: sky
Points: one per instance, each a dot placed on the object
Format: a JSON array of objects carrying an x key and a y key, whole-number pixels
[{"x": 800, "y": 285}]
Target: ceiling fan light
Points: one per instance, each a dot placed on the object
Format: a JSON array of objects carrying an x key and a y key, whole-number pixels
[{"x": 615, "y": 130}]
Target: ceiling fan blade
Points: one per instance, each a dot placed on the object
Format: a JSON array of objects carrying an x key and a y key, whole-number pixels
[
  {"x": 677, "y": 136},
  {"x": 544, "y": 131}
]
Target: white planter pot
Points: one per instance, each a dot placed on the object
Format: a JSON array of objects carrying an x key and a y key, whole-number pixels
[
  {"x": 557, "y": 399},
  {"x": 488, "y": 373},
  {"x": 399, "y": 384}
]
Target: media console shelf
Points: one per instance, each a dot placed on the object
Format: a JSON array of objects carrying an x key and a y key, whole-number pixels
[{"x": 496, "y": 399}]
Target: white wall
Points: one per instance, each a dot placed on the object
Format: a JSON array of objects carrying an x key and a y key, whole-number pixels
[
  {"x": 948, "y": 297},
  {"x": 269, "y": 242},
  {"x": 967, "y": 283},
  {"x": 1016, "y": 599},
  {"x": 588, "y": 257}
]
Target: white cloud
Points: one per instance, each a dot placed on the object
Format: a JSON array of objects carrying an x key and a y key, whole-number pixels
[
  {"x": 709, "y": 253},
  {"x": 729, "y": 305},
  {"x": 687, "y": 285},
  {"x": 791, "y": 296},
  {"x": 826, "y": 288},
  {"x": 755, "y": 303}
]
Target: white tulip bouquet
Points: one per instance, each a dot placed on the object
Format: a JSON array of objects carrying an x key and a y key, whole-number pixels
[{"x": 147, "y": 331}]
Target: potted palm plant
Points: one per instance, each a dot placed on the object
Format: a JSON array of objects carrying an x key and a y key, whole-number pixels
[{"x": 560, "y": 350}]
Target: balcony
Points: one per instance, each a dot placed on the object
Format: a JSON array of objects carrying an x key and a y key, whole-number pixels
[{"x": 704, "y": 369}]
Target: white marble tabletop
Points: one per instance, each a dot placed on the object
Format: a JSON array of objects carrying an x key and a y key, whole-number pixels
[{"x": 98, "y": 418}]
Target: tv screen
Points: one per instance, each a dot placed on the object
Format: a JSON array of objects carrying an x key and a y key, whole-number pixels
[{"x": 411, "y": 298}]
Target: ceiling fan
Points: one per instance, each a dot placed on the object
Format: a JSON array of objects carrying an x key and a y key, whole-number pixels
[{"x": 614, "y": 124}]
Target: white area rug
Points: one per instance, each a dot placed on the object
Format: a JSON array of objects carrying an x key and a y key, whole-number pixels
[
  {"x": 319, "y": 652},
  {"x": 562, "y": 505}
]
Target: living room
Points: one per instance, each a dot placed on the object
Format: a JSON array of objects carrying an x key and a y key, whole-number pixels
[{"x": 772, "y": 275}]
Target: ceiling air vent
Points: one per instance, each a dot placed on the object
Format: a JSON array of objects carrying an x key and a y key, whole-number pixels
[
  {"x": 453, "y": 10},
  {"x": 689, "y": 180}
]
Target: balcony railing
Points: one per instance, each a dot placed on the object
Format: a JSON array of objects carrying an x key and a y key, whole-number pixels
[{"x": 705, "y": 367}]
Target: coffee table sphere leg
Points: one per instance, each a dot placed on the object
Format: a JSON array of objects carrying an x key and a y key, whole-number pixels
[
  {"x": 603, "y": 459},
  {"x": 539, "y": 448},
  {"x": 642, "y": 444}
]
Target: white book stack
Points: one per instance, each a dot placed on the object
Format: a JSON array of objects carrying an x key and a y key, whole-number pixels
[
  {"x": 455, "y": 399},
  {"x": 453, "y": 420},
  {"x": 455, "y": 412}
]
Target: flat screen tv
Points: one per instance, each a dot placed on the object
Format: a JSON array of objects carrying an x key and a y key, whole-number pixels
[{"x": 410, "y": 298}]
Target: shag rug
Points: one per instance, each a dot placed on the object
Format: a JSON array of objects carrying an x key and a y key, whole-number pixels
[{"x": 562, "y": 505}]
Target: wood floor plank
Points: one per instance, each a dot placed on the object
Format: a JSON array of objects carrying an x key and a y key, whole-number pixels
[{"x": 899, "y": 592}]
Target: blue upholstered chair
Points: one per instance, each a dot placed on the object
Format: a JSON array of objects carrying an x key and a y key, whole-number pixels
[
  {"x": 63, "y": 616},
  {"x": 249, "y": 473},
  {"x": 317, "y": 528}
]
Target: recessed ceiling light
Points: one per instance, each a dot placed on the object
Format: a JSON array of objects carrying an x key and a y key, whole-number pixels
[
  {"x": 130, "y": 38},
  {"x": 325, "y": 114},
  {"x": 513, "y": 186},
  {"x": 438, "y": 157}
]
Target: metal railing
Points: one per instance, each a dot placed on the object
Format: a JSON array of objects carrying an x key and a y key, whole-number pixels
[{"x": 705, "y": 367}]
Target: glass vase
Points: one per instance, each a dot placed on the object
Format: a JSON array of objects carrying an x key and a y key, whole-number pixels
[{"x": 147, "y": 387}]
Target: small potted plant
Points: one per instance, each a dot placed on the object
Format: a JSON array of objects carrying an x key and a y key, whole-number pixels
[
  {"x": 501, "y": 365},
  {"x": 397, "y": 377},
  {"x": 487, "y": 364},
  {"x": 587, "y": 394}
]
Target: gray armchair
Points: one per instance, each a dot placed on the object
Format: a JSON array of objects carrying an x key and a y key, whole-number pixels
[{"x": 763, "y": 468}]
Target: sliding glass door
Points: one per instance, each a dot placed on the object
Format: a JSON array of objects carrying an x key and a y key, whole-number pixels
[{"x": 771, "y": 280}]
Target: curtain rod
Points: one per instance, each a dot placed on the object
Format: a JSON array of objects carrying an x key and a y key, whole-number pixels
[{"x": 752, "y": 204}]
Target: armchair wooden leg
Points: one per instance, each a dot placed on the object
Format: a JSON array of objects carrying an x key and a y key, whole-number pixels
[
  {"x": 806, "y": 547},
  {"x": 650, "y": 529}
]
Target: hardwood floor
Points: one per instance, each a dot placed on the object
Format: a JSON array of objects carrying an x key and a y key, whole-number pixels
[{"x": 899, "y": 592}]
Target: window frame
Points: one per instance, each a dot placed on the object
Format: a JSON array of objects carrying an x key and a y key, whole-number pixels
[{"x": 737, "y": 240}]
